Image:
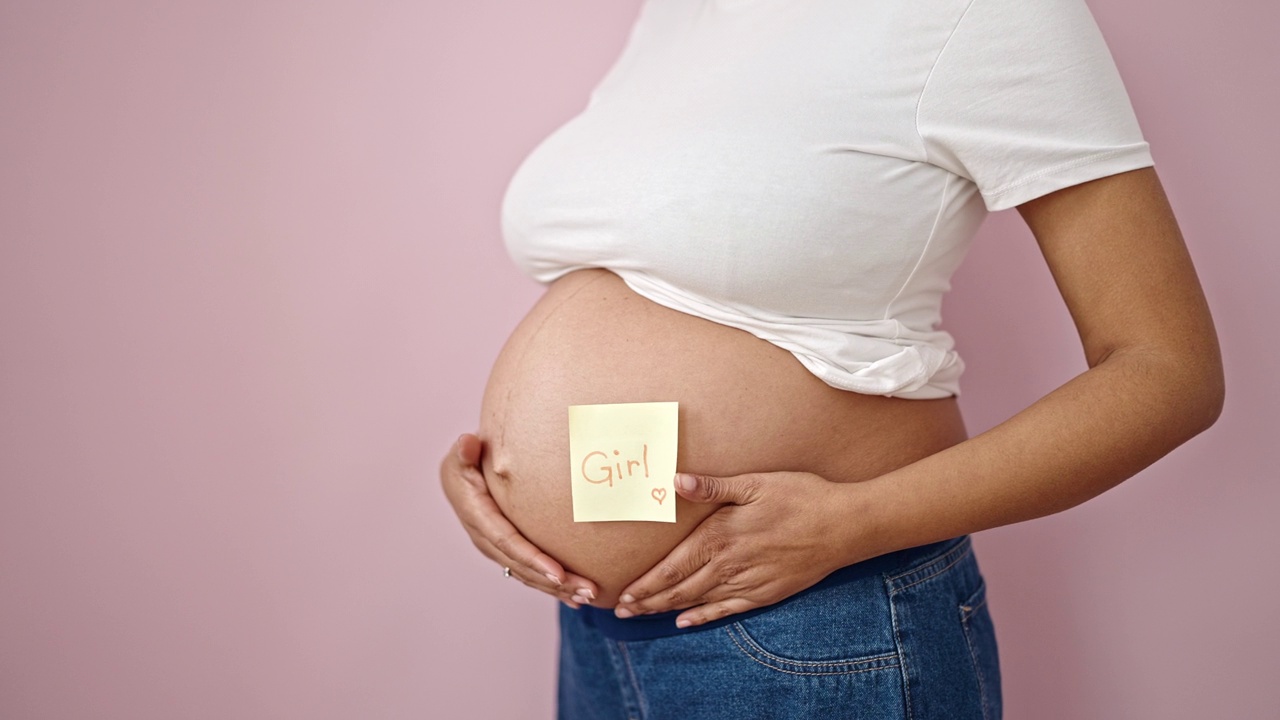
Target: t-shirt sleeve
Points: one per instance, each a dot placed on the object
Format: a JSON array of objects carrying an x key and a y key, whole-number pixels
[{"x": 1025, "y": 98}]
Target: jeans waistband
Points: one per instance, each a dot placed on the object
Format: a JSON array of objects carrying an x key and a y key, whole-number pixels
[{"x": 646, "y": 627}]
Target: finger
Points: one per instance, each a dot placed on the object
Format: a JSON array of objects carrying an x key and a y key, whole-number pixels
[
  {"x": 461, "y": 465},
  {"x": 714, "y": 611},
  {"x": 581, "y": 588},
  {"x": 497, "y": 538},
  {"x": 575, "y": 587},
  {"x": 694, "y": 552},
  {"x": 491, "y": 531},
  {"x": 498, "y": 530},
  {"x": 736, "y": 490},
  {"x": 687, "y": 593},
  {"x": 468, "y": 449},
  {"x": 538, "y": 582},
  {"x": 570, "y": 593},
  {"x": 482, "y": 516}
]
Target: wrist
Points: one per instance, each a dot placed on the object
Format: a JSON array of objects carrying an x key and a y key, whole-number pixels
[{"x": 868, "y": 528}]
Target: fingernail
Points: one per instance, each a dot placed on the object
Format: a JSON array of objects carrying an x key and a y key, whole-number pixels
[
  {"x": 580, "y": 599},
  {"x": 586, "y": 592},
  {"x": 628, "y": 598},
  {"x": 553, "y": 578},
  {"x": 686, "y": 482},
  {"x": 623, "y": 613},
  {"x": 683, "y": 623}
]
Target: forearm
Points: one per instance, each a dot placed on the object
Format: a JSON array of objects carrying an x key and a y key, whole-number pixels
[{"x": 1085, "y": 437}]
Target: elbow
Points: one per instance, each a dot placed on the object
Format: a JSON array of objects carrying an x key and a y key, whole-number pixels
[
  {"x": 1191, "y": 384},
  {"x": 1214, "y": 397},
  {"x": 1204, "y": 394},
  {"x": 1213, "y": 382}
]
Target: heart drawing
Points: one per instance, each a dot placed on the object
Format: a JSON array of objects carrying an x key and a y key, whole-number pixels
[{"x": 659, "y": 494}]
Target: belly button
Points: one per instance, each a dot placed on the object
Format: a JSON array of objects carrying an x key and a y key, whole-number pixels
[{"x": 500, "y": 470}]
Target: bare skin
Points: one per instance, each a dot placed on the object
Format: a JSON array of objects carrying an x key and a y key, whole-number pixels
[
  {"x": 591, "y": 339},
  {"x": 1155, "y": 380}
]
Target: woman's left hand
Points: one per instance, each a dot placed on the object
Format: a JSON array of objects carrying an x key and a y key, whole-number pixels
[{"x": 780, "y": 533}]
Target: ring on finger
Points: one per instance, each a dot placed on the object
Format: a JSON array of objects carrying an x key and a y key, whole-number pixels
[{"x": 506, "y": 571}]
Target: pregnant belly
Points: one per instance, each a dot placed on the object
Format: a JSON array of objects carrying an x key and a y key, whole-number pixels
[{"x": 746, "y": 405}]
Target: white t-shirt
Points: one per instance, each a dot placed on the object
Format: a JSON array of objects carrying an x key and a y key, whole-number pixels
[{"x": 813, "y": 171}]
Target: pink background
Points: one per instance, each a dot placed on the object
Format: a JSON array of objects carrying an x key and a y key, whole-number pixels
[{"x": 251, "y": 285}]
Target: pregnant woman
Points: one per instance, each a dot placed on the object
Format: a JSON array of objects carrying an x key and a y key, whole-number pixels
[{"x": 757, "y": 215}]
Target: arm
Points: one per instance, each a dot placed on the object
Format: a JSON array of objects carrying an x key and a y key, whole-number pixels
[{"x": 1154, "y": 381}]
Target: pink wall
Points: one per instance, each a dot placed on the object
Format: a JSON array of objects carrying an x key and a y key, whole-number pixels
[{"x": 250, "y": 287}]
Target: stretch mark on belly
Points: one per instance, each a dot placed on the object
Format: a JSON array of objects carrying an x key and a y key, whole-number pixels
[{"x": 502, "y": 426}]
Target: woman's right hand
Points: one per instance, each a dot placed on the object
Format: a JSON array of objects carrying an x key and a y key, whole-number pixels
[{"x": 494, "y": 535}]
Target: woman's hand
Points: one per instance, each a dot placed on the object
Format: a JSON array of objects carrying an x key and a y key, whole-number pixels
[
  {"x": 780, "y": 533},
  {"x": 464, "y": 484}
]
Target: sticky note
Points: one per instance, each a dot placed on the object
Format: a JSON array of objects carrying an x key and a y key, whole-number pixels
[{"x": 622, "y": 461}]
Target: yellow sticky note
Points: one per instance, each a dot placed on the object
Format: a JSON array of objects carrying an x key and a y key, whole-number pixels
[{"x": 622, "y": 459}]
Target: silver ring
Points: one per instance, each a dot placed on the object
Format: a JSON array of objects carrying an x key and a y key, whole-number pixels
[{"x": 506, "y": 571}]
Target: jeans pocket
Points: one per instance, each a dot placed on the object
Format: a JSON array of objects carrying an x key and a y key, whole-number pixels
[
  {"x": 979, "y": 634},
  {"x": 836, "y": 630},
  {"x": 946, "y": 637}
]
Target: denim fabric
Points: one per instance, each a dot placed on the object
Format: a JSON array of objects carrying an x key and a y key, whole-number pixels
[{"x": 915, "y": 640}]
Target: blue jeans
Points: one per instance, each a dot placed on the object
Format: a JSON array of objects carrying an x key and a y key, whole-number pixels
[{"x": 911, "y": 639}]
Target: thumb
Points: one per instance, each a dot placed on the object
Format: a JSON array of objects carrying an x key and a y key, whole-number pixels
[
  {"x": 468, "y": 447},
  {"x": 738, "y": 489}
]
